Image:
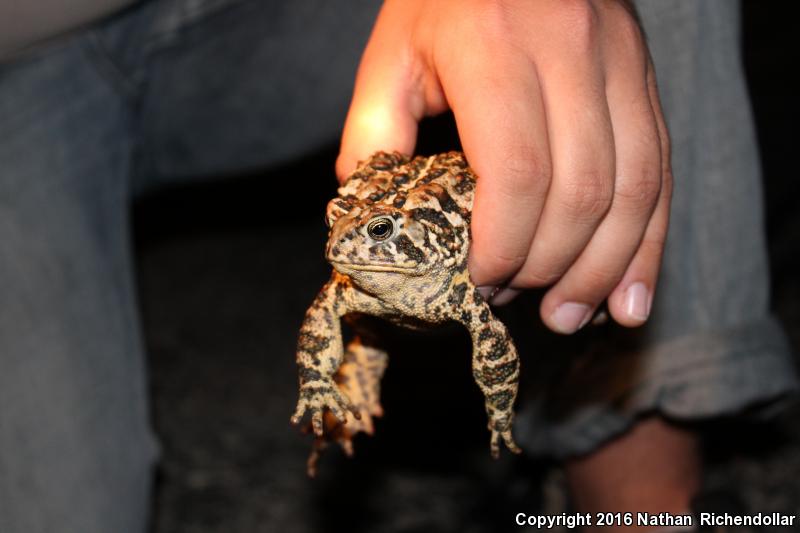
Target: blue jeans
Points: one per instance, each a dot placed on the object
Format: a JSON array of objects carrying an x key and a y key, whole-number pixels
[
  {"x": 180, "y": 89},
  {"x": 166, "y": 91}
]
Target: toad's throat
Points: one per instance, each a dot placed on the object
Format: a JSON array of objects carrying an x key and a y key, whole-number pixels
[{"x": 405, "y": 268}]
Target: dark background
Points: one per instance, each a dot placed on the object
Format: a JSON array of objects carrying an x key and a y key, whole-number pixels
[{"x": 226, "y": 272}]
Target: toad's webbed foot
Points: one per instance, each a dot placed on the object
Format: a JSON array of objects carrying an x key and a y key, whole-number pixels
[
  {"x": 342, "y": 433},
  {"x": 500, "y": 426},
  {"x": 317, "y": 395},
  {"x": 358, "y": 378}
]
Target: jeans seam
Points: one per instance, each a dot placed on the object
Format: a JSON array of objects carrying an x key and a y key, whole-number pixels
[
  {"x": 127, "y": 86},
  {"x": 174, "y": 21}
]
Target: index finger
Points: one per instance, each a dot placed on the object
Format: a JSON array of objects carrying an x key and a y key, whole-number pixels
[{"x": 498, "y": 109}]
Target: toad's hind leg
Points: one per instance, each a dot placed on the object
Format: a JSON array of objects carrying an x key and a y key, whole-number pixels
[
  {"x": 495, "y": 367},
  {"x": 359, "y": 379}
]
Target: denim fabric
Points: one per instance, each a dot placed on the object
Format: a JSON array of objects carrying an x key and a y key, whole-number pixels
[
  {"x": 161, "y": 92},
  {"x": 75, "y": 443}
]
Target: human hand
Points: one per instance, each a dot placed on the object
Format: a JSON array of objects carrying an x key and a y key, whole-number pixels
[{"x": 558, "y": 113}]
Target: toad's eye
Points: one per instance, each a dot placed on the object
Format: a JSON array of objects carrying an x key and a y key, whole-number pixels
[{"x": 380, "y": 229}]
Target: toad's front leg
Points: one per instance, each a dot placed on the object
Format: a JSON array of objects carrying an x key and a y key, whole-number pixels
[
  {"x": 495, "y": 367},
  {"x": 319, "y": 355}
]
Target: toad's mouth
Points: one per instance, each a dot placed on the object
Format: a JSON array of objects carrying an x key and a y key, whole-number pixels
[{"x": 405, "y": 268}]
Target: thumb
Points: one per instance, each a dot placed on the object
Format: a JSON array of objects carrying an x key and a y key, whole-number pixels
[{"x": 387, "y": 103}]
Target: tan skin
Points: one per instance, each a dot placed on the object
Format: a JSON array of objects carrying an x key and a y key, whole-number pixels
[
  {"x": 653, "y": 468},
  {"x": 558, "y": 113}
]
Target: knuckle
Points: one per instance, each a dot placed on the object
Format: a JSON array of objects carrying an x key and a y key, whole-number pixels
[
  {"x": 600, "y": 280},
  {"x": 494, "y": 20},
  {"x": 652, "y": 246},
  {"x": 523, "y": 172},
  {"x": 627, "y": 31},
  {"x": 666, "y": 142},
  {"x": 581, "y": 18},
  {"x": 497, "y": 267},
  {"x": 538, "y": 277},
  {"x": 504, "y": 265},
  {"x": 638, "y": 194},
  {"x": 597, "y": 283},
  {"x": 664, "y": 137},
  {"x": 667, "y": 182},
  {"x": 552, "y": 262},
  {"x": 588, "y": 198}
]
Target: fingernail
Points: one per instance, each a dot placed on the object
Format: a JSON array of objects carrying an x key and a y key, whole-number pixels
[
  {"x": 569, "y": 317},
  {"x": 487, "y": 291},
  {"x": 503, "y": 296},
  {"x": 637, "y": 301}
]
